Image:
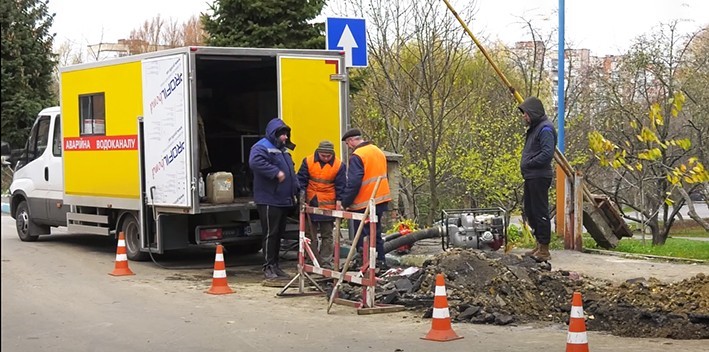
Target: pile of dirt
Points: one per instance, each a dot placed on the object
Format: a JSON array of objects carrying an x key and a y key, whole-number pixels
[{"x": 497, "y": 288}]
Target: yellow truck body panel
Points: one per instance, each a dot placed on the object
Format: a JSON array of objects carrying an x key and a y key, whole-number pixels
[
  {"x": 103, "y": 166},
  {"x": 309, "y": 98},
  {"x": 101, "y": 163}
]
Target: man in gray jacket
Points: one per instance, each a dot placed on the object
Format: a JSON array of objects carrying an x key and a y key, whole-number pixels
[{"x": 537, "y": 173}]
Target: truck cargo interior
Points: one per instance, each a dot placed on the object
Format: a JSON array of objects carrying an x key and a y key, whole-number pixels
[{"x": 236, "y": 97}]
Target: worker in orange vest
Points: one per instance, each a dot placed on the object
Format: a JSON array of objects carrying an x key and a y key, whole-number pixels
[
  {"x": 366, "y": 164},
  {"x": 322, "y": 176}
]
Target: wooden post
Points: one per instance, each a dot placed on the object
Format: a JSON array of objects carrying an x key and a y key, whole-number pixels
[
  {"x": 568, "y": 202},
  {"x": 560, "y": 201},
  {"x": 578, "y": 211}
]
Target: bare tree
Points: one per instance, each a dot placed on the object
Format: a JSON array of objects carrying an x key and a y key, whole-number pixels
[
  {"x": 67, "y": 54},
  {"x": 417, "y": 55},
  {"x": 158, "y": 33},
  {"x": 192, "y": 32}
]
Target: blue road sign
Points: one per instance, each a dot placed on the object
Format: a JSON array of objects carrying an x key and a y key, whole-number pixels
[{"x": 350, "y": 36}]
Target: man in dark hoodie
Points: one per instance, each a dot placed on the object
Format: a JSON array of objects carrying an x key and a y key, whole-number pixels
[
  {"x": 537, "y": 173},
  {"x": 275, "y": 190}
]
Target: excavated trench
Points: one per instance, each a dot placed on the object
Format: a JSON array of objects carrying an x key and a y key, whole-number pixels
[{"x": 497, "y": 288}]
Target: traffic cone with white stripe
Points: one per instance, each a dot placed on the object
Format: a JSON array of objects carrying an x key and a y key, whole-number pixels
[
  {"x": 577, "y": 340},
  {"x": 441, "y": 329},
  {"x": 121, "y": 268},
  {"x": 220, "y": 285}
]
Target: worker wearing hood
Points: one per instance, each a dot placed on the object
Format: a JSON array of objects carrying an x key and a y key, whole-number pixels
[
  {"x": 275, "y": 190},
  {"x": 538, "y": 152}
]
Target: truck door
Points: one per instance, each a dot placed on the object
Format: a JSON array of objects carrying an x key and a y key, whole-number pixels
[
  {"x": 311, "y": 93},
  {"x": 56, "y": 210},
  {"x": 32, "y": 169},
  {"x": 167, "y": 132}
]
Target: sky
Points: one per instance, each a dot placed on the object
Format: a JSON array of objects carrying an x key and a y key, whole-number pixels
[{"x": 607, "y": 27}]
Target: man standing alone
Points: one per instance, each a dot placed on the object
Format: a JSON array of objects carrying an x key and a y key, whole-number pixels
[
  {"x": 536, "y": 169},
  {"x": 366, "y": 164}
]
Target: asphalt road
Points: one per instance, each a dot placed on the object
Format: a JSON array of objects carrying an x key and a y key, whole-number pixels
[{"x": 57, "y": 296}]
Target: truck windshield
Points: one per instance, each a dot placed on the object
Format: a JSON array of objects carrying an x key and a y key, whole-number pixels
[{"x": 37, "y": 142}]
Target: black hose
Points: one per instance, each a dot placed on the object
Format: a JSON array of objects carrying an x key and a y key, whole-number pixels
[
  {"x": 392, "y": 236},
  {"x": 398, "y": 241}
]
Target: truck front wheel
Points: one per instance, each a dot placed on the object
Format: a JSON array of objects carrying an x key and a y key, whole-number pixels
[
  {"x": 27, "y": 230},
  {"x": 131, "y": 231}
]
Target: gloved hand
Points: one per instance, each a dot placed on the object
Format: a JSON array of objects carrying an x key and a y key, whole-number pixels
[{"x": 301, "y": 196}]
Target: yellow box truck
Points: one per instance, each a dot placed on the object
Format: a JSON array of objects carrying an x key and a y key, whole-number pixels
[{"x": 135, "y": 136}]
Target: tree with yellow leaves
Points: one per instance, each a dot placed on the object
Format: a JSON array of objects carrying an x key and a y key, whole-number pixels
[{"x": 658, "y": 166}]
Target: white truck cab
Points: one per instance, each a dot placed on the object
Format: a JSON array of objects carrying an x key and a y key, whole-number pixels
[{"x": 36, "y": 189}]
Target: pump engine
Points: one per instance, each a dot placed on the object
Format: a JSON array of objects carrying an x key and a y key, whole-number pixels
[{"x": 482, "y": 228}]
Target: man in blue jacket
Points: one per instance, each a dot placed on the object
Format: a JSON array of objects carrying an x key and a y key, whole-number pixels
[
  {"x": 367, "y": 163},
  {"x": 275, "y": 190},
  {"x": 536, "y": 170}
]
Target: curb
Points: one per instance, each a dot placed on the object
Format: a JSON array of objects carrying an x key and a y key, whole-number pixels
[{"x": 644, "y": 256}]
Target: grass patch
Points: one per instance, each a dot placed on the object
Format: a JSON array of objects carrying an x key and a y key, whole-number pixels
[
  {"x": 693, "y": 234},
  {"x": 674, "y": 247},
  {"x": 696, "y": 232}
]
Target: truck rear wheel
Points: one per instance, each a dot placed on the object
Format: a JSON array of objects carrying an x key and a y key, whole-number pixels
[
  {"x": 27, "y": 230},
  {"x": 131, "y": 231}
]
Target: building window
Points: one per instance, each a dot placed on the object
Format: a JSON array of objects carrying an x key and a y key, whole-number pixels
[{"x": 92, "y": 114}]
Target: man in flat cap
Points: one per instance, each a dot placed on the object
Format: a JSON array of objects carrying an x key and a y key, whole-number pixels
[
  {"x": 366, "y": 164},
  {"x": 322, "y": 176},
  {"x": 275, "y": 190}
]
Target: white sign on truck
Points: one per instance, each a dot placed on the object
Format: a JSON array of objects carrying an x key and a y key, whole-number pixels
[{"x": 166, "y": 125}]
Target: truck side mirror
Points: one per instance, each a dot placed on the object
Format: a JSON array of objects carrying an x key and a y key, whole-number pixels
[{"x": 6, "y": 150}]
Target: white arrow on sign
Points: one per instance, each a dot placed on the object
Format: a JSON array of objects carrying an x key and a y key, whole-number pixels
[{"x": 347, "y": 42}]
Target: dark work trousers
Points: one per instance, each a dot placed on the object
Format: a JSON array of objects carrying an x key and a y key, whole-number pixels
[
  {"x": 273, "y": 225},
  {"x": 381, "y": 208},
  {"x": 536, "y": 208}
]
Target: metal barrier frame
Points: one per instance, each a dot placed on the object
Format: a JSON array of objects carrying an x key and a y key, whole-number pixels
[{"x": 364, "y": 276}]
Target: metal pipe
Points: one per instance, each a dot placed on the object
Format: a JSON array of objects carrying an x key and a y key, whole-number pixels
[
  {"x": 507, "y": 83},
  {"x": 560, "y": 115}
]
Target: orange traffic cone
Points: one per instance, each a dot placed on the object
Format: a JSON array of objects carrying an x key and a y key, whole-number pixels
[
  {"x": 220, "y": 285},
  {"x": 577, "y": 340},
  {"x": 441, "y": 325},
  {"x": 121, "y": 268}
]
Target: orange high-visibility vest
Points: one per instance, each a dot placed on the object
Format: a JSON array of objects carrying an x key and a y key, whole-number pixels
[
  {"x": 375, "y": 165},
  {"x": 321, "y": 182}
]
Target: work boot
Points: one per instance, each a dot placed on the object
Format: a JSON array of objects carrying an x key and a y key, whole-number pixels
[
  {"x": 280, "y": 273},
  {"x": 382, "y": 266},
  {"x": 269, "y": 273},
  {"x": 356, "y": 262},
  {"x": 543, "y": 254},
  {"x": 532, "y": 252}
]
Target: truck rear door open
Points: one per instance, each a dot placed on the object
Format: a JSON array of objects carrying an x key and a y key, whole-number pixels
[
  {"x": 311, "y": 94},
  {"x": 168, "y": 155}
]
